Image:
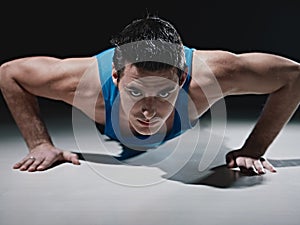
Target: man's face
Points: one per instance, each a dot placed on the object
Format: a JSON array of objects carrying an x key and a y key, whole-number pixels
[{"x": 148, "y": 98}]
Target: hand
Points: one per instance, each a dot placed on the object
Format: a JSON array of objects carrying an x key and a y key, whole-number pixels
[
  {"x": 44, "y": 156},
  {"x": 247, "y": 164}
]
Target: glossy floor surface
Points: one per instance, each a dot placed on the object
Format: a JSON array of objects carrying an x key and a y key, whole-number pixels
[{"x": 185, "y": 181}]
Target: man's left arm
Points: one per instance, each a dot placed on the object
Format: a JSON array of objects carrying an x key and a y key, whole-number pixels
[{"x": 258, "y": 73}]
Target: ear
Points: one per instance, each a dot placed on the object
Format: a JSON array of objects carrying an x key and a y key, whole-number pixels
[
  {"x": 114, "y": 75},
  {"x": 183, "y": 77}
]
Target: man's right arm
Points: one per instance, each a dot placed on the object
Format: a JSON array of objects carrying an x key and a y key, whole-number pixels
[{"x": 21, "y": 81}]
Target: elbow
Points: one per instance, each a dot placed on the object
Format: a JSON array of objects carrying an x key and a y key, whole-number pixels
[
  {"x": 294, "y": 83},
  {"x": 298, "y": 74},
  {"x": 293, "y": 78},
  {"x": 296, "y": 78},
  {"x": 3, "y": 74},
  {"x": 297, "y": 83},
  {"x": 7, "y": 74}
]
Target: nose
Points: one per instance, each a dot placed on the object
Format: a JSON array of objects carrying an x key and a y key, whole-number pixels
[{"x": 149, "y": 107}]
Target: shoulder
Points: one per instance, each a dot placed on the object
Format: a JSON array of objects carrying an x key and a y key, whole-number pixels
[
  {"x": 210, "y": 66},
  {"x": 219, "y": 61}
]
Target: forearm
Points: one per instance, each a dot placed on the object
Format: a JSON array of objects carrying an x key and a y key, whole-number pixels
[
  {"x": 25, "y": 111},
  {"x": 278, "y": 110}
]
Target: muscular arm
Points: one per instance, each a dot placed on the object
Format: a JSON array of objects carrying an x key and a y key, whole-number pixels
[
  {"x": 253, "y": 73},
  {"x": 22, "y": 104},
  {"x": 21, "y": 81},
  {"x": 258, "y": 73},
  {"x": 267, "y": 74}
]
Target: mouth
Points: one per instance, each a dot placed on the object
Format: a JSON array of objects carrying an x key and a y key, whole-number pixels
[{"x": 148, "y": 123}]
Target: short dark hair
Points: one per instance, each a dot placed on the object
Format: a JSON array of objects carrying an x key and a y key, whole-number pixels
[{"x": 151, "y": 44}]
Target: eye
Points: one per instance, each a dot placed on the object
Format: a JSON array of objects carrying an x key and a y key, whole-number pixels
[
  {"x": 135, "y": 93},
  {"x": 164, "y": 94}
]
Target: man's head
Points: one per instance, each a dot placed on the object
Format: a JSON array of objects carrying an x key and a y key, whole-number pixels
[
  {"x": 149, "y": 69},
  {"x": 151, "y": 44}
]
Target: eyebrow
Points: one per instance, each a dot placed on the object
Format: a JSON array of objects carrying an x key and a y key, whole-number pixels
[
  {"x": 131, "y": 87},
  {"x": 168, "y": 88}
]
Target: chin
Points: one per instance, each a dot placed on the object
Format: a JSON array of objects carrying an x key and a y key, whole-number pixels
[{"x": 147, "y": 130}]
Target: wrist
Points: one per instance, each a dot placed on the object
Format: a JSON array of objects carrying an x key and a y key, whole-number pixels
[
  {"x": 253, "y": 150},
  {"x": 40, "y": 144}
]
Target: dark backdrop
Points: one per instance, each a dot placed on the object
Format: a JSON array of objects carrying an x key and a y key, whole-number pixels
[{"x": 83, "y": 29}]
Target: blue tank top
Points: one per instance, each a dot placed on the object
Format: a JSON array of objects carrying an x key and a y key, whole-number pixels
[{"x": 111, "y": 97}]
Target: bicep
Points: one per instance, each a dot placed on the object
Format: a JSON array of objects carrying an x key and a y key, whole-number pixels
[
  {"x": 262, "y": 73},
  {"x": 50, "y": 77}
]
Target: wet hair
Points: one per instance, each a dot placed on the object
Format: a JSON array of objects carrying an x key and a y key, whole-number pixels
[{"x": 151, "y": 44}]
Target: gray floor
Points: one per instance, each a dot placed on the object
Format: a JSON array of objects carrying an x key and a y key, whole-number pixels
[{"x": 182, "y": 182}]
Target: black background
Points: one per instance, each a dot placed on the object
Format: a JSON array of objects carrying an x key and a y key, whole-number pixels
[{"x": 76, "y": 29}]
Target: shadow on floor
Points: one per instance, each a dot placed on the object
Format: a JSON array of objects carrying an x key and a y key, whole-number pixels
[{"x": 215, "y": 175}]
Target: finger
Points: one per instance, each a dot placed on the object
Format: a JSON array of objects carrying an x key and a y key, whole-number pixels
[
  {"x": 75, "y": 160},
  {"x": 71, "y": 157},
  {"x": 35, "y": 165},
  {"x": 245, "y": 167},
  {"x": 241, "y": 162},
  {"x": 259, "y": 167},
  {"x": 230, "y": 159},
  {"x": 268, "y": 166},
  {"x": 248, "y": 171},
  {"x": 20, "y": 163},
  {"x": 45, "y": 164},
  {"x": 250, "y": 165},
  {"x": 26, "y": 164},
  {"x": 231, "y": 164},
  {"x": 17, "y": 165}
]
